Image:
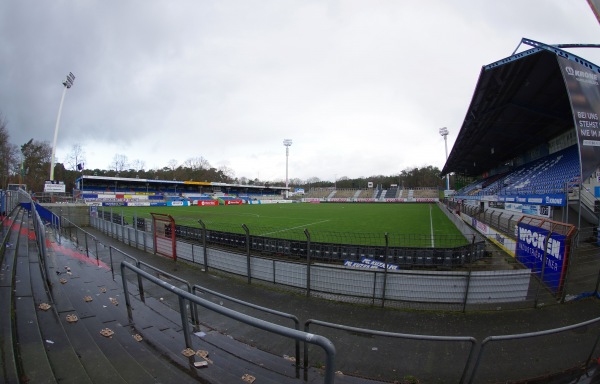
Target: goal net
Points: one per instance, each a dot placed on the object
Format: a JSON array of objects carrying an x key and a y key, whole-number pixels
[{"x": 164, "y": 235}]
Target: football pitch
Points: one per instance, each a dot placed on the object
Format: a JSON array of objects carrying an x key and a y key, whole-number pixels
[{"x": 422, "y": 225}]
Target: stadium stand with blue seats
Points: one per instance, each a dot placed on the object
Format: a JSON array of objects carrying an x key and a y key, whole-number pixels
[{"x": 549, "y": 174}]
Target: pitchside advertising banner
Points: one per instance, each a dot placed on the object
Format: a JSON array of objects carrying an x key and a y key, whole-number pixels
[
  {"x": 530, "y": 251},
  {"x": 367, "y": 263},
  {"x": 583, "y": 87}
]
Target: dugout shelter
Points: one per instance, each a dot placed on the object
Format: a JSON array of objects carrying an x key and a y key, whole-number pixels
[{"x": 530, "y": 139}]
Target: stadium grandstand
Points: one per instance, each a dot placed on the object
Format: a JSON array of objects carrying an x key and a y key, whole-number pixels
[
  {"x": 131, "y": 191},
  {"x": 530, "y": 142},
  {"x": 112, "y": 191}
]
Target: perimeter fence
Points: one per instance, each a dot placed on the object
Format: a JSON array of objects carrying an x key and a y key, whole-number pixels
[
  {"x": 582, "y": 277},
  {"x": 392, "y": 249},
  {"x": 486, "y": 284}
]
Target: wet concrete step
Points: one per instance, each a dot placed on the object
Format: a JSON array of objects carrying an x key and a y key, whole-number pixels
[
  {"x": 30, "y": 344},
  {"x": 135, "y": 361},
  {"x": 229, "y": 359},
  {"x": 160, "y": 326},
  {"x": 65, "y": 362},
  {"x": 8, "y": 366}
]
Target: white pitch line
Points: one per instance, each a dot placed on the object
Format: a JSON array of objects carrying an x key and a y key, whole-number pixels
[
  {"x": 289, "y": 229},
  {"x": 431, "y": 226}
]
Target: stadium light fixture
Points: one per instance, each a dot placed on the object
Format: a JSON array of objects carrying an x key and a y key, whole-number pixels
[
  {"x": 287, "y": 143},
  {"x": 68, "y": 83},
  {"x": 444, "y": 133}
]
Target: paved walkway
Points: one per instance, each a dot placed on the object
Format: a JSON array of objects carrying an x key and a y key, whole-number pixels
[{"x": 389, "y": 359}]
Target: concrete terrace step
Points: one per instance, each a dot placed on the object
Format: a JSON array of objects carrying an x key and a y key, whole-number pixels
[
  {"x": 118, "y": 358},
  {"x": 8, "y": 362},
  {"x": 161, "y": 328},
  {"x": 238, "y": 357},
  {"x": 30, "y": 344}
]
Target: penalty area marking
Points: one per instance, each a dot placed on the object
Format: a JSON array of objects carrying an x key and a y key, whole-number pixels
[{"x": 299, "y": 226}]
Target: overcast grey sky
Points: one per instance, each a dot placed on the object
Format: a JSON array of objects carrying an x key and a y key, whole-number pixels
[{"x": 360, "y": 86}]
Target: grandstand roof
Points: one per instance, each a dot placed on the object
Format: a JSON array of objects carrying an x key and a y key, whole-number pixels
[{"x": 519, "y": 102}]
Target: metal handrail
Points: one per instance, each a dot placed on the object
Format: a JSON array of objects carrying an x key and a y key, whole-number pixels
[
  {"x": 253, "y": 306},
  {"x": 171, "y": 276},
  {"x": 183, "y": 296},
  {"x": 464, "y": 339},
  {"x": 490, "y": 339}
]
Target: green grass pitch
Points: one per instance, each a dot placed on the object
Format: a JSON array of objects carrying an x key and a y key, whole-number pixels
[{"x": 418, "y": 224}]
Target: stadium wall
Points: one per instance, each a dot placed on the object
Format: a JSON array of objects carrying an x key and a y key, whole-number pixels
[{"x": 414, "y": 288}]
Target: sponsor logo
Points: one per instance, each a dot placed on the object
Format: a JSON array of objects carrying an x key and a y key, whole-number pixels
[
  {"x": 379, "y": 264},
  {"x": 582, "y": 76},
  {"x": 537, "y": 240},
  {"x": 554, "y": 200}
]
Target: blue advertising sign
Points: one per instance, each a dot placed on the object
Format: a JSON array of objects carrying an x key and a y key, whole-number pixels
[
  {"x": 552, "y": 199},
  {"x": 533, "y": 244}
]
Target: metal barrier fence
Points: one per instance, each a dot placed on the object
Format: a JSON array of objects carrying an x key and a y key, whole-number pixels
[
  {"x": 447, "y": 290},
  {"x": 583, "y": 269},
  {"x": 197, "y": 289},
  {"x": 585, "y": 334},
  {"x": 557, "y": 358},
  {"x": 184, "y": 296},
  {"x": 450, "y": 251},
  {"x": 394, "y": 335}
]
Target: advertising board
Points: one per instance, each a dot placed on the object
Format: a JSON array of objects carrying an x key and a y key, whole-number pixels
[
  {"x": 544, "y": 252},
  {"x": 583, "y": 87}
]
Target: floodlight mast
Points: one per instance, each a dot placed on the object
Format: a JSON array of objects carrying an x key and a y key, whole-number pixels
[
  {"x": 444, "y": 133},
  {"x": 287, "y": 143},
  {"x": 68, "y": 83}
]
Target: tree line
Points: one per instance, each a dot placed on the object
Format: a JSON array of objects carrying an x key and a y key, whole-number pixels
[{"x": 30, "y": 164}]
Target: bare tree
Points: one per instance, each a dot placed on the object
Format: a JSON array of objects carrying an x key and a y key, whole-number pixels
[
  {"x": 197, "y": 163},
  {"x": 75, "y": 157},
  {"x": 119, "y": 163},
  {"x": 172, "y": 165},
  {"x": 227, "y": 172},
  {"x": 138, "y": 164}
]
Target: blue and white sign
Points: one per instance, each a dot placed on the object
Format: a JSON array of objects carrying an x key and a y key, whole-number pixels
[
  {"x": 367, "y": 263},
  {"x": 379, "y": 264},
  {"x": 533, "y": 244},
  {"x": 552, "y": 199}
]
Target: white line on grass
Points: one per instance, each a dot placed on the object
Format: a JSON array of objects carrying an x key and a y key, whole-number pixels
[
  {"x": 289, "y": 229},
  {"x": 431, "y": 226}
]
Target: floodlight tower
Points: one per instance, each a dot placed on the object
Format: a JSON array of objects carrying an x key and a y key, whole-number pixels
[
  {"x": 444, "y": 133},
  {"x": 68, "y": 83},
  {"x": 287, "y": 143}
]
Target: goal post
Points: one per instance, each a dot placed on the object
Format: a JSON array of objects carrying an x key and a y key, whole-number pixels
[{"x": 164, "y": 235}]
